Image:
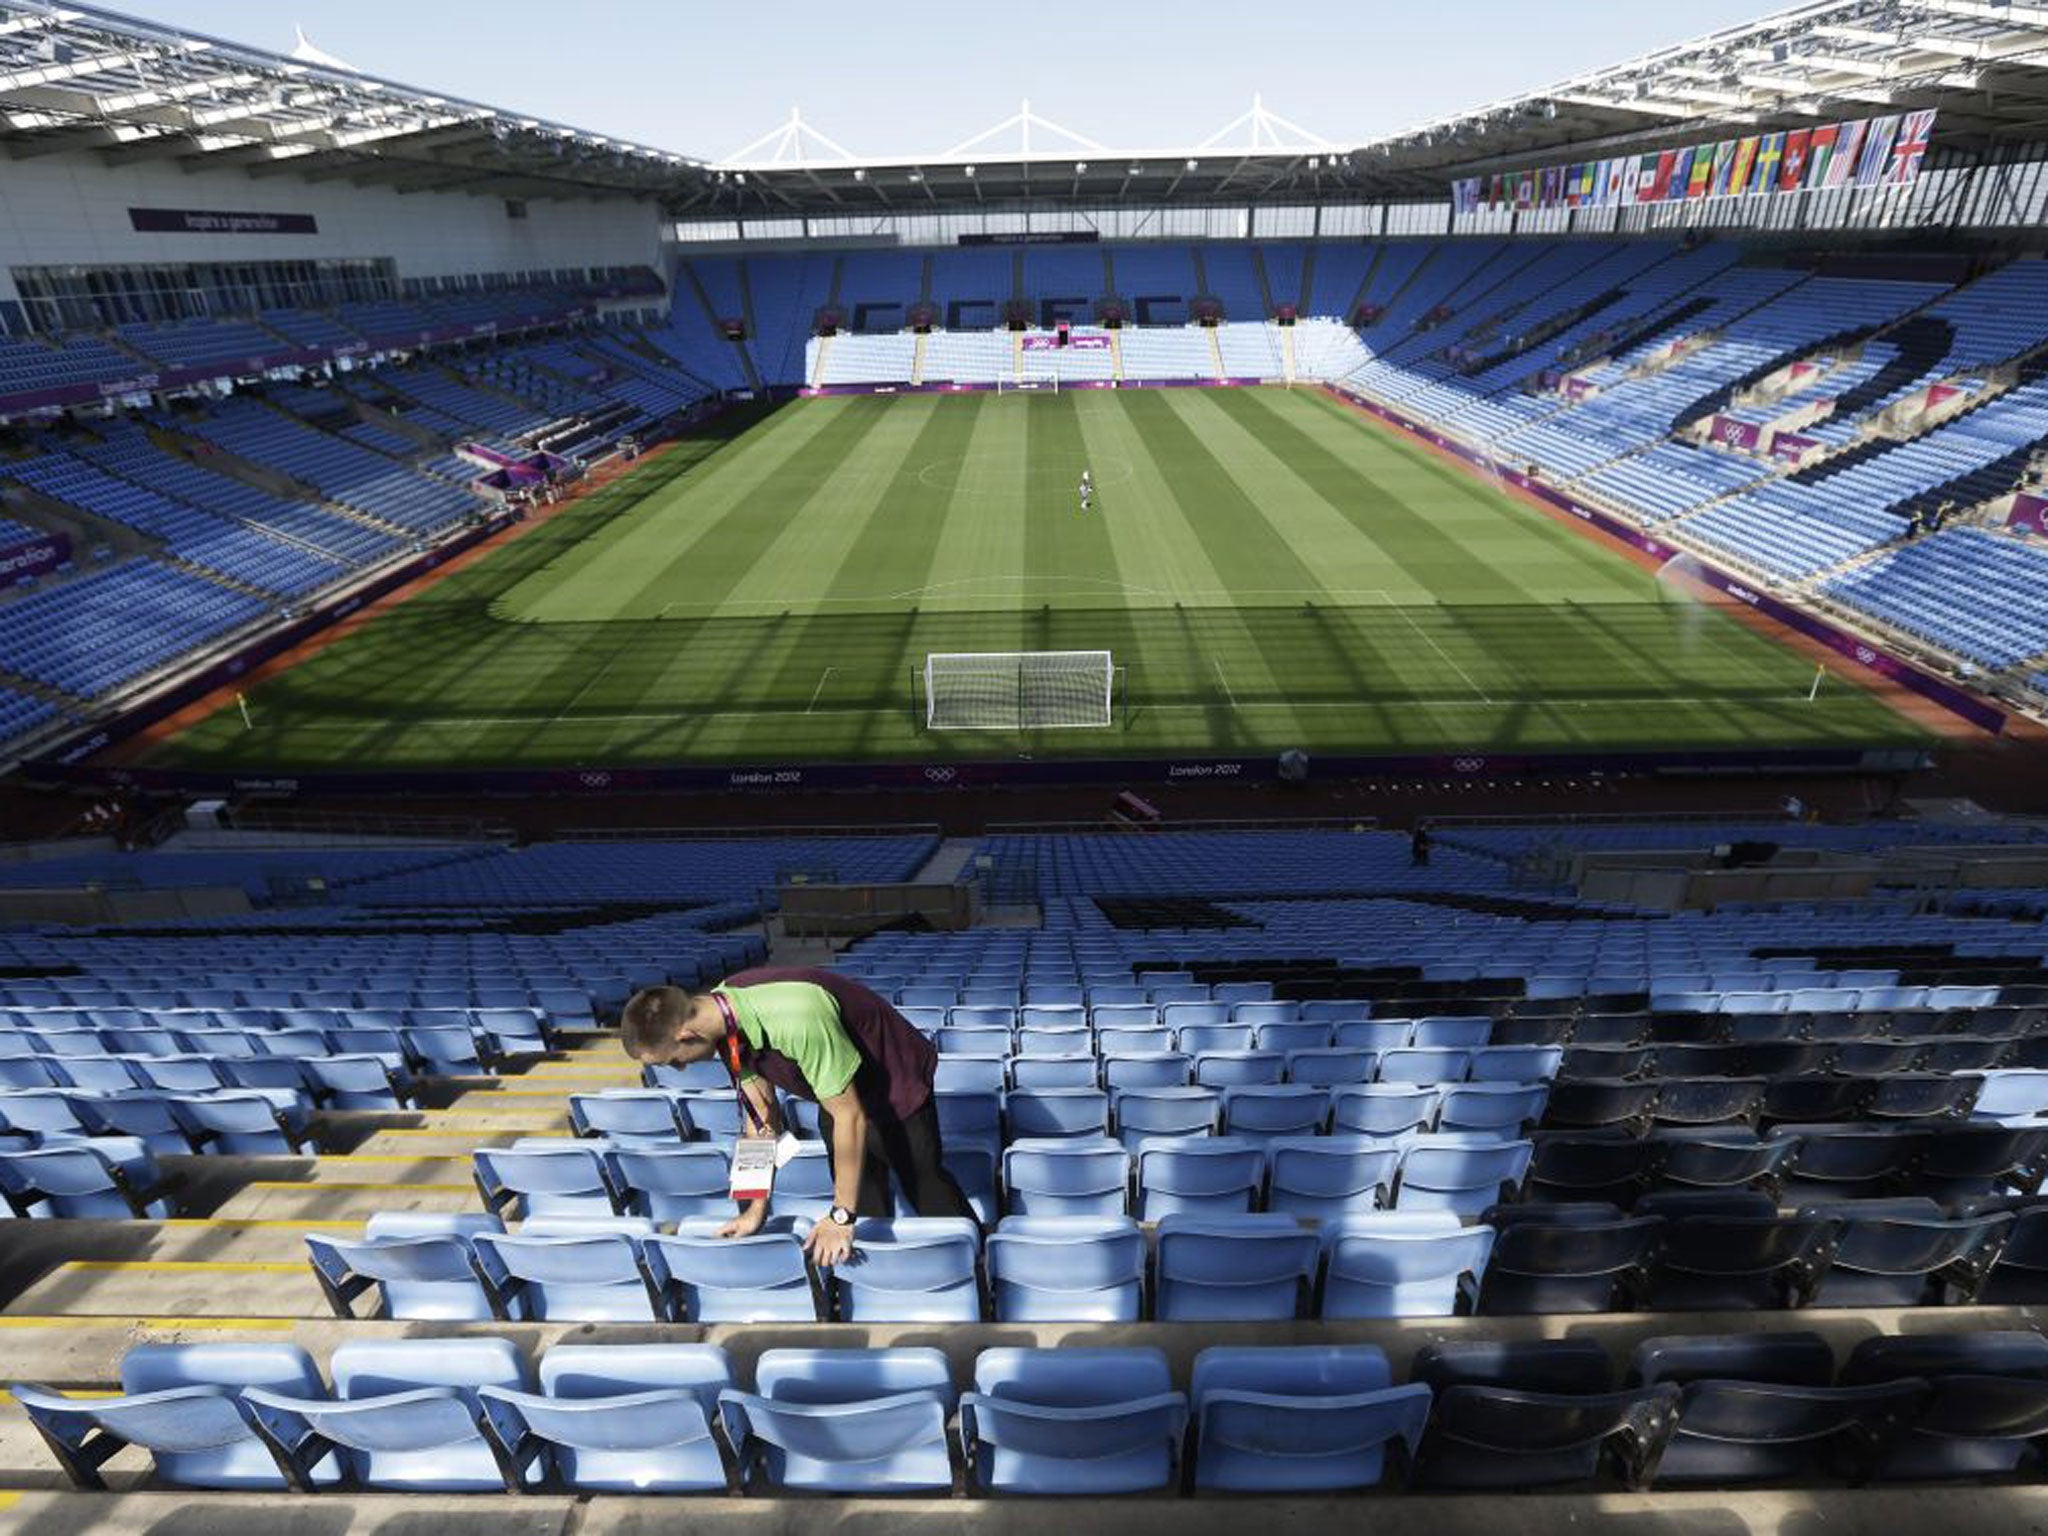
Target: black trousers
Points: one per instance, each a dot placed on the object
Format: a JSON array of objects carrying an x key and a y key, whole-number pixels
[{"x": 910, "y": 1149}]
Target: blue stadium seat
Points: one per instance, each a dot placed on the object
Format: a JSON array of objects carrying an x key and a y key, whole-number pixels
[
  {"x": 1072, "y": 1421},
  {"x": 1066, "y": 1177},
  {"x": 757, "y": 1279},
  {"x": 1329, "y": 1176},
  {"x": 618, "y": 1418},
  {"x": 1236, "y": 1268},
  {"x": 1304, "y": 1419},
  {"x": 915, "y": 1269},
  {"x": 545, "y": 1179},
  {"x": 850, "y": 1421},
  {"x": 1066, "y": 1269},
  {"x": 404, "y": 1415},
  {"x": 421, "y": 1264},
  {"x": 1402, "y": 1264},
  {"x": 180, "y": 1402},
  {"x": 1198, "y": 1175},
  {"x": 672, "y": 1183},
  {"x": 575, "y": 1269}
]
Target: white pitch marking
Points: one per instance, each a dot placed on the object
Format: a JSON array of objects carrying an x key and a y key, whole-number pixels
[
  {"x": 823, "y": 678},
  {"x": 1426, "y": 640},
  {"x": 1228, "y": 692}
]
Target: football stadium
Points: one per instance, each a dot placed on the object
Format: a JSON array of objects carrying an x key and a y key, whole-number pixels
[{"x": 1313, "y": 830}]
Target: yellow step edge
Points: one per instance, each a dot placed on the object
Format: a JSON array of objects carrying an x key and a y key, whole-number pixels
[
  {"x": 166, "y": 1324},
  {"x": 8, "y": 1397},
  {"x": 258, "y": 1223},
  {"x": 187, "y": 1266},
  {"x": 352, "y": 1158}
]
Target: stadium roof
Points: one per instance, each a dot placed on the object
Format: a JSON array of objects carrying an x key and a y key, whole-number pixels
[
  {"x": 76, "y": 78},
  {"x": 1983, "y": 63}
]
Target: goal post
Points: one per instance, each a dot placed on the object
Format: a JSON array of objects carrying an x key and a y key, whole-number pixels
[
  {"x": 1030, "y": 383},
  {"x": 1019, "y": 690}
]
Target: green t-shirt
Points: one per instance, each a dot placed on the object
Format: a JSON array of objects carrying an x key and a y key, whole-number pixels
[{"x": 801, "y": 1021}]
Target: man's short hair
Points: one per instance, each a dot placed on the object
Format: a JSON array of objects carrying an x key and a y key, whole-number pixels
[{"x": 652, "y": 1019}]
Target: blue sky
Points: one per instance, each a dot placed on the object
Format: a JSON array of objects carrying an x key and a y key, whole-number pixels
[{"x": 903, "y": 76}]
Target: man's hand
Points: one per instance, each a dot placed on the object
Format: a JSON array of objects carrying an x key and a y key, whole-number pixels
[
  {"x": 829, "y": 1244},
  {"x": 748, "y": 1222}
]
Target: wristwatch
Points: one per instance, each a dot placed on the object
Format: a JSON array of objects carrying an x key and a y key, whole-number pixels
[{"x": 839, "y": 1216}]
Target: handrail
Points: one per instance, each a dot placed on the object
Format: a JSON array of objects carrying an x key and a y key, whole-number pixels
[{"x": 734, "y": 834}]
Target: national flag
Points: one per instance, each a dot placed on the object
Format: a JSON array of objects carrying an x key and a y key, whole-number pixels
[
  {"x": 1820, "y": 154},
  {"x": 1497, "y": 195},
  {"x": 1525, "y": 189},
  {"x": 1745, "y": 162},
  {"x": 1553, "y": 185},
  {"x": 1842, "y": 164},
  {"x": 1911, "y": 148},
  {"x": 1572, "y": 195},
  {"x": 1589, "y": 182},
  {"x": 1681, "y": 175},
  {"x": 1618, "y": 177},
  {"x": 1724, "y": 162},
  {"x": 1702, "y": 173},
  {"x": 1657, "y": 185},
  {"x": 1770, "y": 151},
  {"x": 1877, "y": 150},
  {"x": 1792, "y": 169},
  {"x": 1646, "y": 178}
]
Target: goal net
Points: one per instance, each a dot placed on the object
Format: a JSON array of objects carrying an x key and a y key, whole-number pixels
[
  {"x": 1017, "y": 690},
  {"x": 1030, "y": 383}
]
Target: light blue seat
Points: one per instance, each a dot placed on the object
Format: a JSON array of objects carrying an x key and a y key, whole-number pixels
[
  {"x": 1330, "y": 1176},
  {"x": 673, "y": 1183},
  {"x": 1143, "y": 1114},
  {"x": 844, "y": 1421},
  {"x": 1076, "y": 1071},
  {"x": 182, "y": 1404},
  {"x": 1263, "y": 1011},
  {"x": 1516, "y": 1064},
  {"x": 1490, "y": 1109},
  {"x": 982, "y": 1041},
  {"x": 1445, "y": 1031},
  {"x": 1264, "y": 1112},
  {"x": 1133, "y": 1040},
  {"x": 630, "y": 1117},
  {"x": 619, "y": 1418},
  {"x": 1236, "y": 1269},
  {"x": 1066, "y": 1269},
  {"x": 421, "y": 1264},
  {"x": 2015, "y": 1093},
  {"x": 512, "y": 1031},
  {"x": 150, "y": 1117},
  {"x": 1384, "y": 1110},
  {"x": 913, "y": 1269},
  {"x": 1066, "y": 1177},
  {"x": 575, "y": 1269},
  {"x": 1072, "y": 1038},
  {"x": 1331, "y": 1067},
  {"x": 108, "y": 1178},
  {"x": 1238, "y": 1069},
  {"x": 1402, "y": 1264},
  {"x": 759, "y": 1279},
  {"x": 1461, "y": 1174},
  {"x": 1072, "y": 1421},
  {"x": 1198, "y": 1175},
  {"x": 1049, "y": 1112},
  {"x": 1205, "y": 1039},
  {"x": 1376, "y": 1035},
  {"x": 1291, "y": 1035},
  {"x": 980, "y": 1017},
  {"x": 553, "y": 1179},
  {"x": 1146, "y": 1069},
  {"x": 803, "y": 1184},
  {"x": 405, "y": 1414},
  {"x": 1430, "y": 1064},
  {"x": 250, "y": 1122},
  {"x": 1302, "y": 1419},
  {"x": 970, "y": 1074}
]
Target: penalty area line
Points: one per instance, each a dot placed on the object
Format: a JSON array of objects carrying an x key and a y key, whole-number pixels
[
  {"x": 1228, "y": 692},
  {"x": 823, "y": 678}
]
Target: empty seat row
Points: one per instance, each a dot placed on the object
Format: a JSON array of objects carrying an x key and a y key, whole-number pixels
[{"x": 471, "y": 1415}]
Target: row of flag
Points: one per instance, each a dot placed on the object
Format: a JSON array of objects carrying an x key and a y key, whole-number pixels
[{"x": 1871, "y": 152}]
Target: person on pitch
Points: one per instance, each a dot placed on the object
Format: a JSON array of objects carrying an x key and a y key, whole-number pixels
[
  {"x": 821, "y": 1036},
  {"x": 1087, "y": 491}
]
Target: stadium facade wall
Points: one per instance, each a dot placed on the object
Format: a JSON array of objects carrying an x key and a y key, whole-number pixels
[{"x": 73, "y": 210}]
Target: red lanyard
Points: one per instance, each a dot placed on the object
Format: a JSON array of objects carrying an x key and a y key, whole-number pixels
[{"x": 730, "y": 1048}]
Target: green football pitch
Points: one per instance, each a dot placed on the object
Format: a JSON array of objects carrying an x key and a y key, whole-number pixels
[{"x": 1267, "y": 569}]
